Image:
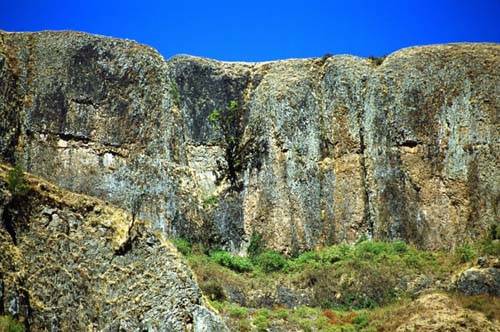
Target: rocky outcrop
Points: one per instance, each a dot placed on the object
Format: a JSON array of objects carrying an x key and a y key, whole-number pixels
[
  {"x": 75, "y": 263},
  {"x": 481, "y": 279},
  {"x": 437, "y": 312},
  {"x": 320, "y": 150}
]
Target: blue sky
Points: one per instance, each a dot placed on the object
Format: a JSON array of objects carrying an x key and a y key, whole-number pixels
[{"x": 265, "y": 30}]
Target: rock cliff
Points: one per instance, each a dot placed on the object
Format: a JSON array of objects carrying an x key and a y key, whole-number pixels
[
  {"x": 312, "y": 151},
  {"x": 69, "y": 262}
]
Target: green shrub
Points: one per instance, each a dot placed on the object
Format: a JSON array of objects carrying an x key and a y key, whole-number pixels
[
  {"x": 184, "y": 246},
  {"x": 235, "y": 263},
  {"x": 8, "y": 324},
  {"x": 16, "y": 182},
  {"x": 399, "y": 247},
  {"x": 280, "y": 313},
  {"x": 256, "y": 246},
  {"x": 368, "y": 249},
  {"x": 361, "y": 321},
  {"x": 271, "y": 261},
  {"x": 235, "y": 311},
  {"x": 261, "y": 319},
  {"x": 335, "y": 253},
  {"x": 210, "y": 201},
  {"x": 465, "y": 253},
  {"x": 307, "y": 258},
  {"x": 491, "y": 247}
]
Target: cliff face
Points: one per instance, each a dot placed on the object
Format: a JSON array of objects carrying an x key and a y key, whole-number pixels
[
  {"x": 319, "y": 151},
  {"x": 73, "y": 263}
]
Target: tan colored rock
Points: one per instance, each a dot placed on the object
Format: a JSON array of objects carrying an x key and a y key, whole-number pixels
[
  {"x": 79, "y": 264},
  {"x": 328, "y": 150}
]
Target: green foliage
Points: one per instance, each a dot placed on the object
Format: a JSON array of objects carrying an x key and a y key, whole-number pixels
[
  {"x": 335, "y": 254},
  {"x": 235, "y": 263},
  {"x": 214, "y": 118},
  {"x": 256, "y": 246},
  {"x": 491, "y": 244},
  {"x": 364, "y": 275},
  {"x": 491, "y": 247},
  {"x": 465, "y": 253},
  {"x": 261, "y": 319},
  {"x": 235, "y": 311},
  {"x": 308, "y": 257},
  {"x": 368, "y": 249},
  {"x": 361, "y": 320},
  {"x": 16, "y": 182},
  {"x": 210, "y": 201},
  {"x": 222, "y": 119},
  {"x": 350, "y": 285},
  {"x": 229, "y": 122},
  {"x": 183, "y": 245},
  {"x": 270, "y": 261},
  {"x": 8, "y": 324}
]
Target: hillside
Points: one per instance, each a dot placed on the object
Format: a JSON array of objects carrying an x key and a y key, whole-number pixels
[
  {"x": 388, "y": 167},
  {"x": 70, "y": 262}
]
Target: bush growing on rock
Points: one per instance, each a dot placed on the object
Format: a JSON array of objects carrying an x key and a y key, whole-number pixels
[
  {"x": 183, "y": 245},
  {"x": 256, "y": 246},
  {"x": 465, "y": 253},
  {"x": 235, "y": 263},
  {"x": 16, "y": 182},
  {"x": 271, "y": 261}
]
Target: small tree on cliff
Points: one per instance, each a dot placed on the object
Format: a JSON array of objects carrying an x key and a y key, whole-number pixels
[
  {"x": 229, "y": 122},
  {"x": 16, "y": 182},
  {"x": 15, "y": 207}
]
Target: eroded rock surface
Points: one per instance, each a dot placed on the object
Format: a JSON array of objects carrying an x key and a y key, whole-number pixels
[
  {"x": 481, "y": 279},
  {"x": 79, "y": 264},
  {"x": 327, "y": 150}
]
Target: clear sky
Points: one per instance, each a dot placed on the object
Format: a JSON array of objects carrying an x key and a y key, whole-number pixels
[{"x": 264, "y": 30}]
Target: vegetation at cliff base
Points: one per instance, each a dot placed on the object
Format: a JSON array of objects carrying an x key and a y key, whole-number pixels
[
  {"x": 358, "y": 287},
  {"x": 9, "y": 324}
]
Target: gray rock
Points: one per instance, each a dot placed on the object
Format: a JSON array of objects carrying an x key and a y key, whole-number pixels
[
  {"x": 106, "y": 273},
  {"x": 476, "y": 281},
  {"x": 328, "y": 150},
  {"x": 205, "y": 321}
]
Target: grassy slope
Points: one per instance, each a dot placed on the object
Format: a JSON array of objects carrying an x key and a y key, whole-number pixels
[{"x": 370, "y": 286}]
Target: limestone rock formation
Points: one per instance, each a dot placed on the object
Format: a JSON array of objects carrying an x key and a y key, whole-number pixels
[
  {"x": 320, "y": 151},
  {"x": 69, "y": 262}
]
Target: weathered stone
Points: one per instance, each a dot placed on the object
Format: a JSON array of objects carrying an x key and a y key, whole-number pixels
[
  {"x": 94, "y": 267},
  {"x": 475, "y": 281},
  {"x": 328, "y": 149}
]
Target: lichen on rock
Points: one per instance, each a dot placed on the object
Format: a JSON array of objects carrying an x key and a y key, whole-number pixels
[
  {"x": 332, "y": 149},
  {"x": 82, "y": 264}
]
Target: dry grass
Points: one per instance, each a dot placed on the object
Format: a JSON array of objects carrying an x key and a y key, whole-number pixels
[{"x": 486, "y": 304}]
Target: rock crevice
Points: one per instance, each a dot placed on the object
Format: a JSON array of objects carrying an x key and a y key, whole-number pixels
[{"x": 340, "y": 148}]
